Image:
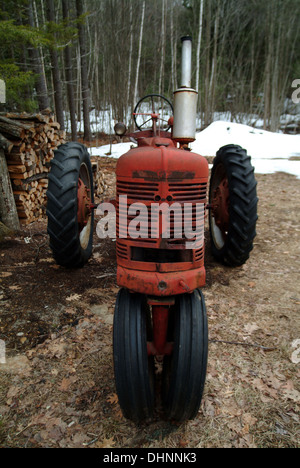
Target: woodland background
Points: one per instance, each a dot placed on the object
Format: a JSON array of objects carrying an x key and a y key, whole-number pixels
[{"x": 78, "y": 56}]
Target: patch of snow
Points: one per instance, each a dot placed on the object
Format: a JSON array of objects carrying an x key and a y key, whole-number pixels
[
  {"x": 116, "y": 150},
  {"x": 259, "y": 144}
]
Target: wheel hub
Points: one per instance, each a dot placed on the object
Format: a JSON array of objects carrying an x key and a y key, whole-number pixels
[
  {"x": 220, "y": 206},
  {"x": 84, "y": 204}
]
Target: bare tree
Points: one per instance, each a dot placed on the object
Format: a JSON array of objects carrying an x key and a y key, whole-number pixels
[
  {"x": 130, "y": 58},
  {"x": 162, "y": 49},
  {"x": 139, "y": 53},
  {"x": 173, "y": 40},
  {"x": 85, "y": 91},
  {"x": 199, "y": 44},
  {"x": 37, "y": 65},
  {"x": 69, "y": 77},
  {"x": 57, "y": 85}
]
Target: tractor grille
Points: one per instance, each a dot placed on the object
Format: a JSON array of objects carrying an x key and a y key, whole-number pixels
[
  {"x": 122, "y": 251},
  {"x": 188, "y": 193},
  {"x": 199, "y": 255},
  {"x": 138, "y": 191},
  {"x": 143, "y": 247}
]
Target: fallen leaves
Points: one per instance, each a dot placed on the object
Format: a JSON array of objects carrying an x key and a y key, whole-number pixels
[
  {"x": 73, "y": 298},
  {"x": 62, "y": 396},
  {"x": 249, "y": 420},
  {"x": 66, "y": 383},
  {"x": 113, "y": 399},
  {"x": 251, "y": 328},
  {"x": 65, "y": 395},
  {"x": 292, "y": 395},
  {"x": 106, "y": 443},
  {"x": 265, "y": 391}
]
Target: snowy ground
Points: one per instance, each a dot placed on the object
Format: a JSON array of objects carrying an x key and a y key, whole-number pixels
[{"x": 270, "y": 152}]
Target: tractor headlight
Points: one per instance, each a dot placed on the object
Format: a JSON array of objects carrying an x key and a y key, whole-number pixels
[{"x": 120, "y": 129}]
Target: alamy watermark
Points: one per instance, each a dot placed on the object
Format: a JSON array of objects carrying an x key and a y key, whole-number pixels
[
  {"x": 296, "y": 93},
  {"x": 2, "y": 352},
  {"x": 2, "y": 92},
  {"x": 157, "y": 220},
  {"x": 296, "y": 354}
]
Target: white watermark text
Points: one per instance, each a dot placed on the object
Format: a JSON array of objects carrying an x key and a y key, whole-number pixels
[
  {"x": 296, "y": 93},
  {"x": 2, "y": 352}
]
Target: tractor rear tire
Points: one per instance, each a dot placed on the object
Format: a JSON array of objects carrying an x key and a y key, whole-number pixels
[
  {"x": 134, "y": 369},
  {"x": 70, "y": 241},
  {"x": 233, "y": 206},
  {"x": 184, "y": 372}
]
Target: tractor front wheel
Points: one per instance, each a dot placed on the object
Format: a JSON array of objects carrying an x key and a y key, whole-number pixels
[
  {"x": 233, "y": 206},
  {"x": 184, "y": 371},
  {"x": 134, "y": 369}
]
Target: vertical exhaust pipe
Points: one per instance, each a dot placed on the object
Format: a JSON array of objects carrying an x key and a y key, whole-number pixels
[
  {"x": 186, "y": 62},
  {"x": 185, "y": 99}
]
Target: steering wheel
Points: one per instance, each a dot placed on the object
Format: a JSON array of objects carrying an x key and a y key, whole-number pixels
[{"x": 150, "y": 106}]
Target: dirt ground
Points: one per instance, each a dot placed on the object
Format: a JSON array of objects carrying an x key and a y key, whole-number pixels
[{"x": 57, "y": 386}]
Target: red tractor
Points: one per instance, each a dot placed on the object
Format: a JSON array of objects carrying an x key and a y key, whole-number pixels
[{"x": 160, "y": 320}]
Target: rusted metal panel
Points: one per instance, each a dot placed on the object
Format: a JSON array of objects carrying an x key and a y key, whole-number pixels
[{"x": 161, "y": 284}]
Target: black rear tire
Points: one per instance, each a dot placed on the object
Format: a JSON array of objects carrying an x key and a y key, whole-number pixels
[
  {"x": 134, "y": 369},
  {"x": 232, "y": 244},
  {"x": 184, "y": 372},
  {"x": 71, "y": 243}
]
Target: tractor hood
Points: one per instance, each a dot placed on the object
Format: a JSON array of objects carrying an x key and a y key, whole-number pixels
[{"x": 158, "y": 159}]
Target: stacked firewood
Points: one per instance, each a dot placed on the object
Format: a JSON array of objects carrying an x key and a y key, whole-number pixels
[
  {"x": 100, "y": 185},
  {"x": 29, "y": 141}
]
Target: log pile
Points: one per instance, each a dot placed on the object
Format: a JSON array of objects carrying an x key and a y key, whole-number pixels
[
  {"x": 29, "y": 141},
  {"x": 100, "y": 185}
]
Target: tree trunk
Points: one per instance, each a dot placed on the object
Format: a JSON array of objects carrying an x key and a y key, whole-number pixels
[
  {"x": 214, "y": 74},
  {"x": 69, "y": 76},
  {"x": 199, "y": 45},
  {"x": 207, "y": 113},
  {"x": 8, "y": 210},
  {"x": 85, "y": 92},
  {"x": 130, "y": 60},
  {"x": 163, "y": 50},
  {"x": 268, "y": 71},
  {"x": 58, "y": 95},
  {"x": 40, "y": 84},
  {"x": 139, "y": 55},
  {"x": 173, "y": 58}
]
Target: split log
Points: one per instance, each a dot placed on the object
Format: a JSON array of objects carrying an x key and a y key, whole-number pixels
[
  {"x": 5, "y": 144},
  {"x": 13, "y": 128},
  {"x": 98, "y": 176},
  {"x": 24, "y": 116}
]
